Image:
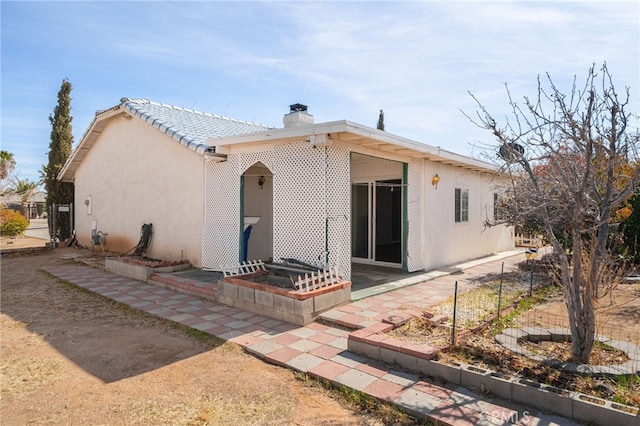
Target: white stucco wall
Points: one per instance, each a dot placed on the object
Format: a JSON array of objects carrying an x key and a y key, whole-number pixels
[
  {"x": 312, "y": 208},
  {"x": 447, "y": 242},
  {"x": 134, "y": 174}
]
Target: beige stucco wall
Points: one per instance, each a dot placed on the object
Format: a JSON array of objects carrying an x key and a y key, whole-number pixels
[{"x": 134, "y": 174}]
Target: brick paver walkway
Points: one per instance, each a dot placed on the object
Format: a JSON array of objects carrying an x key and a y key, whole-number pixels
[{"x": 321, "y": 350}]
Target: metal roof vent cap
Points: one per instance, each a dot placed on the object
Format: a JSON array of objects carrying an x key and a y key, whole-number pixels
[
  {"x": 298, "y": 108},
  {"x": 298, "y": 116}
]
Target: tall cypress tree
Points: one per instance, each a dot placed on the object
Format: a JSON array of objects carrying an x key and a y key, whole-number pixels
[{"x": 59, "y": 150}]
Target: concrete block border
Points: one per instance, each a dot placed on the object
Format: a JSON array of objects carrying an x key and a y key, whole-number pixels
[{"x": 372, "y": 343}]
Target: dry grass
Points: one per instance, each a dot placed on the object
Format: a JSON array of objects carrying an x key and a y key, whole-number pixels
[
  {"x": 214, "y": 409},
  {"x": 477, "y": 305},
  {"x": 21, "y": 375},
  {"x": 418, "y": 330},
  {"x": 601, "y": 354}
]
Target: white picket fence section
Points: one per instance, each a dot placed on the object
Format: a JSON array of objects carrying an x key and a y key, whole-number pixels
[
  {"x": 244, "y": 268},
  {"x": 316, "y": 280}
]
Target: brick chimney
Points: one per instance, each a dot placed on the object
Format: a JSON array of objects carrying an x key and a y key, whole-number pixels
[{"x": 298, "y": 116}]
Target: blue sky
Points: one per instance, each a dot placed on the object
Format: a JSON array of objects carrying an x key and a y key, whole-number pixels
[{"x": 345, "y": 60}]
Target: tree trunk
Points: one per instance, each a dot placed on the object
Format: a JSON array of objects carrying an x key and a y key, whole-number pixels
[
  {"x": 579, "y": 301},
  {"x": 24, "y": 210}
]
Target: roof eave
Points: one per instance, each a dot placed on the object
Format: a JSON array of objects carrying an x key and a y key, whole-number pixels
[
  {"x": 356, "y": 132},
  {"x": 167, "y": 129},
  {"x": 273, "y": 135}
]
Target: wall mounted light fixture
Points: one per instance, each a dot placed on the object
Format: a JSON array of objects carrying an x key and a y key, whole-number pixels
[
  {"x": 434, "y": 180},
  {"x": 261, "y": 182}
]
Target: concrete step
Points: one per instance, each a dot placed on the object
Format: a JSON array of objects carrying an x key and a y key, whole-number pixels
[{"x": 337, "y": 319}]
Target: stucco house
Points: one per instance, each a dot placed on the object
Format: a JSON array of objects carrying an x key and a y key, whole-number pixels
[{"x": 325, "y": 193}]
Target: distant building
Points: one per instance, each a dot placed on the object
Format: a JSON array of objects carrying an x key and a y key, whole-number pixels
[{"x": 36, "y": 206}]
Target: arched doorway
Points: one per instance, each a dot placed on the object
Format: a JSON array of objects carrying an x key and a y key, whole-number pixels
[{"x": 256, "y": 213}]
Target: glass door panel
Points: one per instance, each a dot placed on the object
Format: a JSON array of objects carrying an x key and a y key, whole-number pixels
[
  {"x": 360, "y": 229},
  {"x": 388, "y": 221}
]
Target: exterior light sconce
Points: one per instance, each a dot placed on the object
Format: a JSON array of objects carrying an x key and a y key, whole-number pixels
[
  {"x": 261, "y": 182},
  {"x": 434, "y": 180}
]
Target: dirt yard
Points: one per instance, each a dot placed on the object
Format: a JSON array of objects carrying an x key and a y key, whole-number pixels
[
  {"x": 71, "y": 357},
  {"x": 21, "y": 242}
]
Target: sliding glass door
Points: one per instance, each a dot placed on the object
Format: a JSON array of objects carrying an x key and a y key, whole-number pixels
[{"x": 376, "y": 210}]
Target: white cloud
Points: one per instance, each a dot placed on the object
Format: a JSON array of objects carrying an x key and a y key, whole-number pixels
[{"x": 346, "y": 60}]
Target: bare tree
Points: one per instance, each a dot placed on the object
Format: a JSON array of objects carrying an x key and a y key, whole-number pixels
[{"x": 573, "y": 160}]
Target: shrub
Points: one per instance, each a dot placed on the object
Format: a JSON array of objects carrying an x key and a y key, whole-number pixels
[
  {"x": 12, "y": 223},
  {"x": 631, "y": 229}
]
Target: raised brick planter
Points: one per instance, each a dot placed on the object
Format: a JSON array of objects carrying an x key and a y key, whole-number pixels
[
  {"x": 185, "y": 285},
  {"x": 282, "y": 304},
  {"x": 139, "y": 272}
]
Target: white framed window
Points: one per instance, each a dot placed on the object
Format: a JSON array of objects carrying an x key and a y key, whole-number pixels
[{"x": 461, "y": 205}]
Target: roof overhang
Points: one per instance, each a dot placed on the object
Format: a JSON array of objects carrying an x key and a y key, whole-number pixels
[
  {"x": 217, "y": 148},
  {"x": 356, "y": 134}
]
